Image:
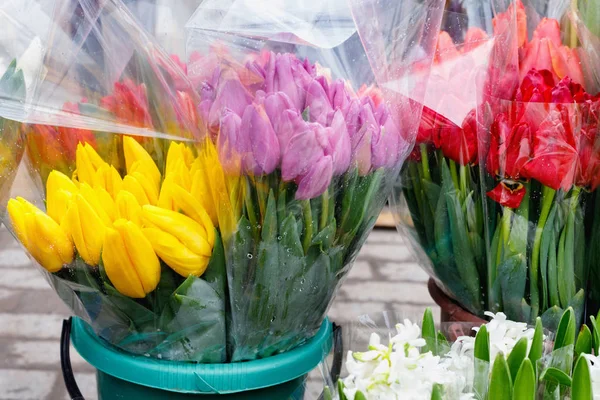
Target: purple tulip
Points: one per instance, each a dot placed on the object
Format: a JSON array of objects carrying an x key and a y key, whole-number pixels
[
  {"x": 386, "y": 143},
  {"x": 340, "y": 147},
  {"x": 285, "y": 73},
  {"x": 228, "y": 142},
  {"x": 258, "y": 142},
  {"x": 361, "y": 141},
  {"x": 339, "y": 97},
  {"x": 316, "y": 180},
  {"x": 302, "y": 152},
  {"x": 317, "y": 102},
  {"x": 231, "y": 95}
]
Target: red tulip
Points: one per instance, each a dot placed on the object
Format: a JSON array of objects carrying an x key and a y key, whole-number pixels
[
  {"x": 505, "y": 21},
  {"x": 554, "y": 158},
  {"x": 129, "y": 104},
  {"x": 546, "y": 51}
]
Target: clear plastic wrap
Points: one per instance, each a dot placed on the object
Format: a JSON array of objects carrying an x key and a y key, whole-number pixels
[
  {"x": 314, "y": 140},
  {"x": 205, "y": 205},
  {"x": 21, "y": 53},
  {"x": 514, "y": 228},
  {"x": 437, "y": 199}
]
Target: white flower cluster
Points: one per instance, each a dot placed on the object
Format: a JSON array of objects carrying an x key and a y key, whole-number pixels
[
  {"x": 401, "y": 371},
  {"x": 594, "y": 364}
]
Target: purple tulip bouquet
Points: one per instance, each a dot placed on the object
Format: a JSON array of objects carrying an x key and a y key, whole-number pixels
[
  {"x": 312, "y": 156},
  {"x": 302, "y": 128}
]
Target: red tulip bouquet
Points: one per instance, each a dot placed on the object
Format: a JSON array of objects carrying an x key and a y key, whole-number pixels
[
  {"x": 437, "y": 199},
  {"x": 501, "y": 202}
]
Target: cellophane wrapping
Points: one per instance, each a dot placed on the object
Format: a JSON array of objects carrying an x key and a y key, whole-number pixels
[
  {"x": 314, "y": 141},
  {"x": 515, "y": 228},
  {"x": 204, "y": 204}
]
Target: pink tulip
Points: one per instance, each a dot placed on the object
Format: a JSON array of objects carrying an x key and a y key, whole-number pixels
[
  {"x": 317, "y": 102},
  {"x": 339, "y": 146},
  {"x": 386, "y": 144},
  {"x": 302, "y": 152},
  {"x": 258, "y": 142},
  {"x": 285, "y": 73},
  {"x": 228, "y": 142},
  {"x": 338, "y": 96},
  {"x": 231, "y": 95},
  {"x": 316, "y": 180}
]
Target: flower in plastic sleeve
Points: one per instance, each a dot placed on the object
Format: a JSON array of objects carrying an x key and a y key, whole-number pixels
[
  {"x": 42, "y": 236},
  {"x": 129, "y": 103},
  {"x": 317, "y": 101},
  {"x": 88, "y": 162},
  {"x": 129, "y": 260},
  {"x": 546, "y": 51},
  {"x": 285, "y": 73},
  {"x": 316, "y": 180},
  {"x": 227, "y": 142},
  {"x": 102, "y": 203},
  {"x": 178, "y": 153},
  {"x": 59, "y": 192},
  {"x": 128, "y": 207},
  {"x": 141, "y": 187},
  {"x": 386, "y": 145},
  {"x": 108, "y": 178},
  {"x": 258, "y": 142},
  {"x": 178, "y": 240},
  {"x": 138, "y": 159},
  {"x": 231, "y": 95},
  {"x": 362, "y": 139},
  {"x": 554, "y": 157},
  {"x": 86, "y": 229},
  {"x": 339, "y": 147}
]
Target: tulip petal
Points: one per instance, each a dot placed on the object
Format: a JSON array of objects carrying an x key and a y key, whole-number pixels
[
  {"x": 86, "y": 229},
  {"x": 118, "y": 266},
  {"x": 175, "y": 255},
  {"x": 128, "y": 207},
  {"x": 108, "y": 178},
  {"x": 133, "y": 186},
  {"x": 201, "y": 191},
  {"x": 135, "y": 152},
  {"x": 183, "y": 228},
  {"x": 140, "y": 252},
  {"x": 95, "y": 202},
  {"x": 193, "y": 209}
]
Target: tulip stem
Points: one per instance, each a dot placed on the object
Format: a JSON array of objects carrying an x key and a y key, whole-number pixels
[
  {"x": 250, "y": 205},
  {"x": 547, "y": 198},
  {"x": 425, "y": 162},
  {"x": 454, "y": 174},
  {"x": 324, "y": 209},
  {"x": 308, "y": 225}
]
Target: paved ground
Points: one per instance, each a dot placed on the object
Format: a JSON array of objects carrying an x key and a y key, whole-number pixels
[{"x": 385, "y": 277}]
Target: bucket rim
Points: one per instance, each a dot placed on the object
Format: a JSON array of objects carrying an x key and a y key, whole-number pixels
[{"x": 190, "y": 377}]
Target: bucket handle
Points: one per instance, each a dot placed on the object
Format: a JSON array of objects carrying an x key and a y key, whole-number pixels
[
  {"x": 75, "y": 393},
  {"x": 65, "y": 361}
]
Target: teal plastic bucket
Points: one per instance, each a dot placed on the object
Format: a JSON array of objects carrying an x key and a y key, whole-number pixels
[{"x": 126, "y": 376}]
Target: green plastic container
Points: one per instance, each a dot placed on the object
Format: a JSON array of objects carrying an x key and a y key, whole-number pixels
[{"x": 125, "y": 376}]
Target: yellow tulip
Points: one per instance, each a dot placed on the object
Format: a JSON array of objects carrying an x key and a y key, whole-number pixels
[
  {"x": 201, "y": 190},
  {"x": 128, "y": 207},
  {"x": 190, "y": 206},
  {"x": 59, "y": 192},
  {"x": 165, "y": 199},
  {"x": 100, "y": 201},
  {"x": 108, "y": 178},
  {"x": 178, "y": 240},
  {"x": 129, "y": 260},
  {"x": 86, "y": 228},
  {"x": 178, "y": 152},
  {"x": 141, "y": 187},
  {"x": 42, "y": 236},
  {"x": 87, "y": 162},
  {"x": 136, "y": 154}
]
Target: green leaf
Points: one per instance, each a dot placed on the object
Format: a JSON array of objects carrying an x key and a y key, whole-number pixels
[
  {"x": 340, "y": 389},
  {"x": 512, "y": 274},
  {"x": 442, "y": 343},
  {"x": 555, "y": 375},
  {"x": 482, "y": 344},
  {"x": 537, "y": 343},
  {"x": 360, "y": 396},
  {"x": 482, "y": 360},
  {"x": 584, "y": 341},
  {"x": 10, "y": 71},
  {"x": 516, "y": 357},
  {"x": 553, "y": 294},
  {"x": 545, "y": 248},
  {"x": 428, "y": 333},
  {"x": 437, "y": 392},
  {"x": 463, "y": 254},
  {"x": 595, "y": 334},
  {"x": 551, "y": 317},
  {"x": 582, "y": 384},
  {"x": 500, "y": 382},
  {"x": 306, "y": 114},
  {"x": 525, "y": 384},
  {"x": 139, "y": 315},
  {"x": 216, "y": 274},
  {"x": 566, "y": 267},
  {"x": 565, "y": 335},
  {"x": 327, "y": 394},
  {"x": 269, "y": 226}
]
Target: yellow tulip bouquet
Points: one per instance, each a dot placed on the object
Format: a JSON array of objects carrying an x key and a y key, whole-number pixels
[{"x": 204, "y": 210}]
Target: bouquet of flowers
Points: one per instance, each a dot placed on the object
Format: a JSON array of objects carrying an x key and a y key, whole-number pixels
[
  {"x": 518, "y": 179},
  {"x": 206, "y": 210},
  {"x": 502, "y": 360}
]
